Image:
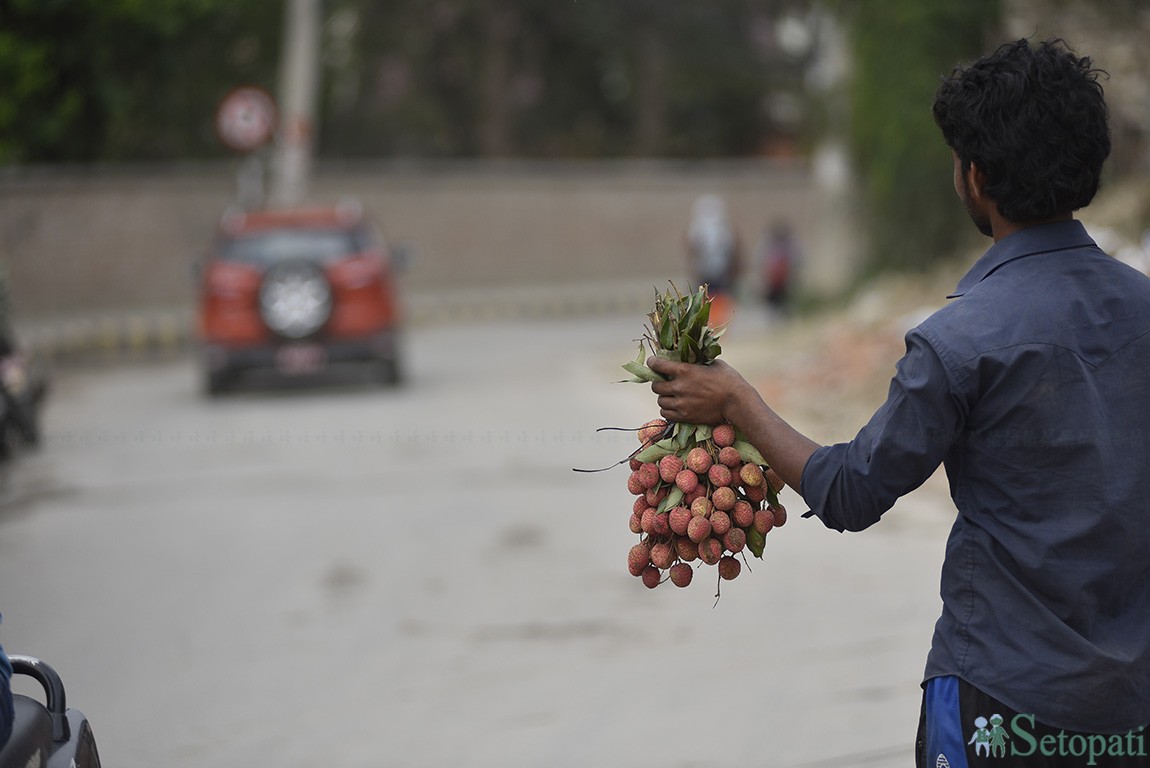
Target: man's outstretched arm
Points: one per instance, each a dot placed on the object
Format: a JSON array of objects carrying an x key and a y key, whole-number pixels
[{"x": 710, "y": 394}]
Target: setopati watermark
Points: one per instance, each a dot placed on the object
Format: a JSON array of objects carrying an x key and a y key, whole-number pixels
[{"x": 991, "y": 739}]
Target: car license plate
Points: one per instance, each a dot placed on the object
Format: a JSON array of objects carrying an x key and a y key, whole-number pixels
[{"x": 300, "y": 359}]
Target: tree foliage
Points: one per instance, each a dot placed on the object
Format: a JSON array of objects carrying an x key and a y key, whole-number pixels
[
  {"x": 109, "y": 80},
  {"x": 901, "y": 50},
  {"x": 127, "y": 80},
  {"x": 535, "y": 78}
]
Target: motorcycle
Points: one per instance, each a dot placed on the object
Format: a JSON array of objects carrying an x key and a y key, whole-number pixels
[{"x": 49, "y": 734}]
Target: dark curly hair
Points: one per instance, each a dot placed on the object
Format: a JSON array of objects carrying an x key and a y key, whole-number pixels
[{"x": 1035, "y": 121}]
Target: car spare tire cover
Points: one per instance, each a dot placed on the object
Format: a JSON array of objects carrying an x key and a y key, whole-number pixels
[{"x": 295, "y": 299}]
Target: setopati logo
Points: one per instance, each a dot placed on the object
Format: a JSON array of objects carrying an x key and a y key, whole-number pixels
[
  {"x": 989, "y": 737},
  {"x": 992, "y": 739}
]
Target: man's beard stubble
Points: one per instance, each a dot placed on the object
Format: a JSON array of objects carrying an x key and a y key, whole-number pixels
[{"x": 981, "y": 220}]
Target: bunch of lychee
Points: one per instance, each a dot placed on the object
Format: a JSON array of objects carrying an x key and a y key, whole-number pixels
[{"x": 702, "y": 494}]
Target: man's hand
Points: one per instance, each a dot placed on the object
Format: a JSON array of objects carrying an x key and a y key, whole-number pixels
[{"x": 696, "y": 394}]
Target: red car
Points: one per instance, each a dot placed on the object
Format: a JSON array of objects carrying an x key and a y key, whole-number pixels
[{"x": 297, "y": 290}]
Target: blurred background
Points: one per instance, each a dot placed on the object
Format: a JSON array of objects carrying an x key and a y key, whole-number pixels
[
  {"x": 327, "y": 571},
  {"x": 514, "y": 143}
]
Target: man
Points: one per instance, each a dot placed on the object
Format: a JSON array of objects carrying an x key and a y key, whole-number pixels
[
  {"x": 1032, "y": 388},
  {"x": 714, "y": 251}
]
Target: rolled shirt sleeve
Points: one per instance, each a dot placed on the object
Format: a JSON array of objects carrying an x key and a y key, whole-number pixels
[{"x": 850, "y": 485}]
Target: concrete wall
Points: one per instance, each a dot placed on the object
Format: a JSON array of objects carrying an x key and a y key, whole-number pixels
[{"x": 115, "y": 239}]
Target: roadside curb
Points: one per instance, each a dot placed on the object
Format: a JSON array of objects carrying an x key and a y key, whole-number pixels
[
  {"x": 140, "y": 335},
  {"x": 108, "y": 336}
]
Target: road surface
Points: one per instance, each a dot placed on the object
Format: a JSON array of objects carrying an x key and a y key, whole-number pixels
[{"x": 346, "y": 575}]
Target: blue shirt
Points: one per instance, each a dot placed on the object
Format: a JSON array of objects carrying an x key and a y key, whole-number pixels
[{"x": 1032, "y": 388}]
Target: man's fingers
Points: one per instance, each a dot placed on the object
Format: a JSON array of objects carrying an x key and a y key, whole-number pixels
[{"x": 659, "y": 365}]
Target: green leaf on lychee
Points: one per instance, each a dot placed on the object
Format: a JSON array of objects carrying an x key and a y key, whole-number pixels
[
  {"x": 756, "y": 542},
  {"x": 667, "y": 333},
  {"x": 683, "y": 434},
  {"x": 748, "y": 452},
  {"x": 642, "y": 373},
  {"x": 673, "y": 498},
  {"x": 772, "y": 497},
  {"x": 656, "y": 451}
]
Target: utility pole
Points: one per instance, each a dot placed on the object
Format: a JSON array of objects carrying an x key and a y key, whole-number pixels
[{"x": 299, "y": 84}]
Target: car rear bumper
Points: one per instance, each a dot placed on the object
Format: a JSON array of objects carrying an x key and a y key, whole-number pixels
[{"x": 306, "y": 353}]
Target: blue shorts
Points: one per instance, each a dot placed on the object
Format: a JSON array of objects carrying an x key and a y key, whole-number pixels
[{"x": 962, "y": 727}]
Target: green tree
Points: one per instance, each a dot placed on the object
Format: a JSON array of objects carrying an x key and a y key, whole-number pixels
[
  {"x": 126, "y": 80},
  {"x": 535, "y": 78},
  {"x": 901, "y": 50},
  {"x": 108, "y": 80}
]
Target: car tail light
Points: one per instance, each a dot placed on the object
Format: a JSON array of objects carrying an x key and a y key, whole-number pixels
[
  {"x": 358, "y": 271},
  {"x": 227, "y": 280}
]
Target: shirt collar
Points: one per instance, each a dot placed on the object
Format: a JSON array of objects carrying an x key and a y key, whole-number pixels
[{"x": 1041, "y": 238}]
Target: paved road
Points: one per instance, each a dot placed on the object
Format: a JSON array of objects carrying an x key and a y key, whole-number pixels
[{"x": 351, "y": 576}]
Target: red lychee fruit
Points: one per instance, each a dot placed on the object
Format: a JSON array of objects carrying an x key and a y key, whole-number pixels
[
  {"x": 636, "y": 523},
  {"x": 723, "y": 435},
  {"x": 743, "y": 515},
  {"x": 649, "y": 475},
  {"x": 650, "y": 432},
  {"x": 687, "y": 481},
  {"x": 755, "y": 493},
  {"x": 638, "y": 558},
  {"x": 751, "y": 474},
  {"x": 775, "y": 481},
  {"x": 651, "y": 577},
  {"x": 700, "y": 492},
  {"x": 710, "y": 550},
  {"x": 655, "y": 495},
  {"x": 679, "y": 518},
  {"x": 764, "y": 521},
  {"x": 698, "y": 528},
  {"x": 660, "y": 526},
  {"x": 635, "y": 485},
  {"x": 724, "y": 498},
  {"x": 702, "y": 507},
  {"x": 698, "y": 460},
  {"x": 719, "y": 475},
  {"x": 735, "y": 540},
  {"x": 662, "y": 555},
  {"x": 720, "y": 522},
  {"x": 647, "y": 520},
  {"x": 729, "y": 457},
  {"x": 681, "y": 574},
  {"x": 686, "y": 549},
  {"x": 635, "y": 463},
  {"x": 639, "y": 505},
  {"x": 669, "y": 466},
  {"x": 780, "y": 513},
  {"x": 729, "y": 568}
]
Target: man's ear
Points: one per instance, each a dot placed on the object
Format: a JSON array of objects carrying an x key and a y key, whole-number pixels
[{"x": 976, "y": 181}]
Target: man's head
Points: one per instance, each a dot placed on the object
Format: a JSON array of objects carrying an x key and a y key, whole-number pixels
[{"x": 1033, "y": 120}]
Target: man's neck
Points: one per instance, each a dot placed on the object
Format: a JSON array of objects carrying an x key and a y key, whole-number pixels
[{"x": 1001, "y": 227}]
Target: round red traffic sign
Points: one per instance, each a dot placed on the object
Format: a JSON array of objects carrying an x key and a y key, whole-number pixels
[{"x": 246, "y": 118}]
